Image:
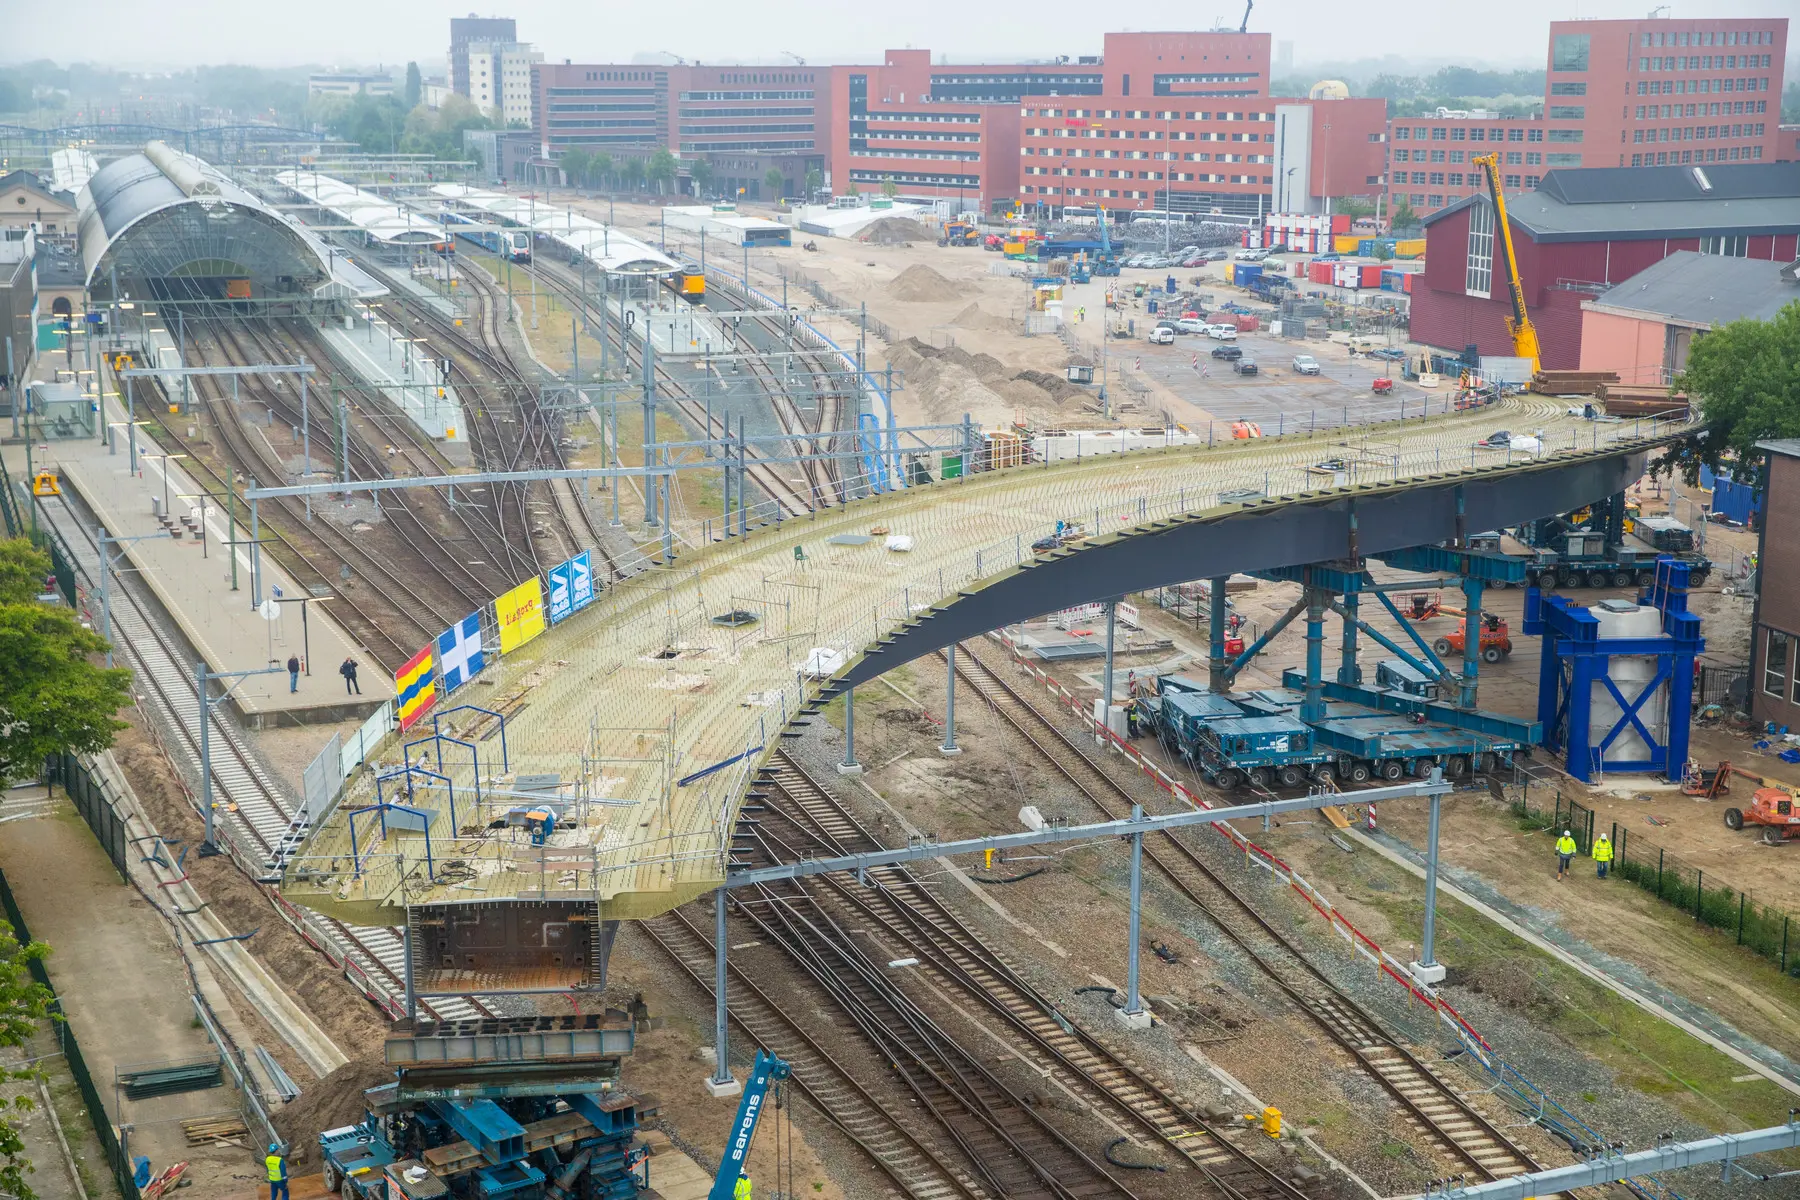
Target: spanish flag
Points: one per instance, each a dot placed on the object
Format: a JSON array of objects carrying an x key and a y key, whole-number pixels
[{"x": 416, "y": 688}]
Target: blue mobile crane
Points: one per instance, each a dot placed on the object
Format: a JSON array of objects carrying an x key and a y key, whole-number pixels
[{"x": 765, "y": 1073}]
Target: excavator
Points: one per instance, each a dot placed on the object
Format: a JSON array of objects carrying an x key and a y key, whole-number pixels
[{"x": 1524, "y": 333}]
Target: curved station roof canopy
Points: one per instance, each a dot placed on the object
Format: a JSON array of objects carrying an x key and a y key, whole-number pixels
[
  {"x": 382, "y": 220},
  {"x": 167, "y": 225},
  {"x": 608, "y": 249}
]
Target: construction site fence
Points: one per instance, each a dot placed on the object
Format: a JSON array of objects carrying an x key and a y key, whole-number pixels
[
  {"x": 97, "y": 805},
  {"x": 70, "y": 1047},
  {"x": 1761, "y": 928}
]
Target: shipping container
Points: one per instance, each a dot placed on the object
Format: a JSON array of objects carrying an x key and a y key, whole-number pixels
[
  {"x": 1371, "y": 275},
  {"x": 1393, "y": 281},
  {"x": 1245, "y": 322},
  {"x": 1409, "y": 248},
  {"x": 1340, "y": 222},
  {"x": 1346, "y": 275},
  {"x": 1243, "y": 273},
  {"x": 1320, "y": 272},
  {"x": 1409, "y": 281},
  {"x": 1365, "y": 247},
  {"x": 1346, "y": 243}
]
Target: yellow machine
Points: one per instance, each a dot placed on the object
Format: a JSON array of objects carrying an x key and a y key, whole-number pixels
[
  {"x": 45, "y": 483},
  {"x": 1524, "y": 334}
]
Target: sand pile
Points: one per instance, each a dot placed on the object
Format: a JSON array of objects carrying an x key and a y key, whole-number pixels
[
  {"x": 919, "y": 284},
  {"x": 331, "y": 1103},
  {"x": 977, "y": 317},
  {"x": 950, "y": 381},
  {"x": 894, "y": 231},
  {"x": 1057, "y": 389}
]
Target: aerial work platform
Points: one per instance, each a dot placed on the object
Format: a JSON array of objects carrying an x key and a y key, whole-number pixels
[
  {"x": 193, "y": 583},
  {"x": 657, "y": 704}
]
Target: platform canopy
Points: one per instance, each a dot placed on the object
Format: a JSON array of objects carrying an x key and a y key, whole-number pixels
[
  {"x": 608, "y": 248},
  {"x": 166, "y": 225}
]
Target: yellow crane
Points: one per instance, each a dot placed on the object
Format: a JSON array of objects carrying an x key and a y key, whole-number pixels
[{"x": 1524, "y": 334}]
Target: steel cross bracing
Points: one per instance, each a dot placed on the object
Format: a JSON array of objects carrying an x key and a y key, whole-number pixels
[
  {"x": 255, "y": 823},
  {"x": 1609, "y": 1165},
  {"x": 706, "y": 664}
]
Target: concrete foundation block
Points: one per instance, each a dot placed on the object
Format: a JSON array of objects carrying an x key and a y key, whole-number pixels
[
  {"x": 949, "y": 751},
  {"x": 1432, "y": 975},
  {"x": 1136, "y": 1020},
  {"x": 730, "y": 1087},
  {"x": 849, "y": 768}
]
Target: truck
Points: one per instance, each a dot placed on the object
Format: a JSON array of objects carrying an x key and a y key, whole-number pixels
[{"x": 1586, "y": 558}]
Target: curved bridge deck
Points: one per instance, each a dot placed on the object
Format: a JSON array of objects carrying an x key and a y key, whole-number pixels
[{"x": 653, "y": 707}]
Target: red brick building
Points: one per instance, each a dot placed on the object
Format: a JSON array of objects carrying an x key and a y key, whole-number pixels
[
  {"x": 1583, "y": 231},
  {"x": 1664, "y": 92},
  {"x": 937, "y": 131},
  {"x": 1185, "y": 121},
  {"x": 1775, "y": 625},
  {"x": 742, "y": 119},
  {"x": 1429, "y": 157}
]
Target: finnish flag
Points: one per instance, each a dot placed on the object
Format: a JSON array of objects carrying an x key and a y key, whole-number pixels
[{"x": 459, "y": 652}]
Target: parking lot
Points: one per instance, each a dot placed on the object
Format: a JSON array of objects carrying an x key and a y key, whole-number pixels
[{"x": 1277, "y": 397}]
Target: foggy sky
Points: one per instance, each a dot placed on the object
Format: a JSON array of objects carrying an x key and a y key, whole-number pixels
[{"x": 178, "y": 33}]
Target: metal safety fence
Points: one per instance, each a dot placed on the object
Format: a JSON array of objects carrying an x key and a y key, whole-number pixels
[
  {"x": 1761, "y": 928},
  {"x": 97, "y": 805},
  {"x": 116, "y": 1157}
]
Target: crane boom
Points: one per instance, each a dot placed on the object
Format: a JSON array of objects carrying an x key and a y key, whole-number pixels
[
  {"x": 767, "y": 1071},
  {"x": 1524, "y": 333},
  {"x": 1244, "y": 27}
]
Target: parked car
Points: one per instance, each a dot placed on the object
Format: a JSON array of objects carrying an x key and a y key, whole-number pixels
[
  {"x": 1246, "y": 256},
  {"x": 1191, "y": 325},
  {"x": 1244, "y": 366},
  {"x": 1305, "y": 364},
  {"x": 1194, "y": 260},
  {"x": 1232, "y": 353},
  {"x": 1224, "y": 333},
  {"x": 1217, "y": 255},
  {"x": 1162, "y": 335}
]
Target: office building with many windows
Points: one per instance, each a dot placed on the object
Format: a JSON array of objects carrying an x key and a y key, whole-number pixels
[{"x": 1663, "y": 92}]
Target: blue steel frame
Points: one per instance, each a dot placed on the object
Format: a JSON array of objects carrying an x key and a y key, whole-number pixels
[
  {"x": 505, "y": 765},
  {"x": 380, "y": 808},
  {"x": 406, "y": 773},
  {"x": 436, "y": 741},
  {"x": 1575, "y": 659}
]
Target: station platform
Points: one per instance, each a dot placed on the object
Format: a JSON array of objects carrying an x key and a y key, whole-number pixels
[
  {"x": 678, "y": 328},
  {"x": 388, "y": 361},
  {"x": 194, "y": 585}
]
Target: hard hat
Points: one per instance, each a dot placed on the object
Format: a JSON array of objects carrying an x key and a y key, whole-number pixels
[
  {"x": 1565, "y": 833},
  {"x": 274, "y": 1147}
]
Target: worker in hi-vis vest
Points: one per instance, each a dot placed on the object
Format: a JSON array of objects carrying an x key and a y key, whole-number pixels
[
  {"x": 1603, "y": 855},
  {"x": 1565, "y": 850},
  {"x": 278, "y": 1176},
  {"x": 742, "y": 1190}
]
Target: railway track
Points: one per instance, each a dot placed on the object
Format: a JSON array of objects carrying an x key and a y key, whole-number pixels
[
  {"x": 252, "y": 817},
  {"x": 877, "y": 1128},
  {"x": 1432, "y": 1103},
  {"x": 917, "y": 923}
]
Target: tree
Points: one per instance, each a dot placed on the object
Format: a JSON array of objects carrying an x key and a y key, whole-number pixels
[
  {"x": 700, "y": 173},
  {"x": 23, "y": 1003},
  {"x": 661, "y": 169},
  {"x": 53, "y": 699},
  {"x": 1745, "y": 380},
  {"x": 1403, "y": 216},
  {"x": 600, "y": 165},
  {"x": 774, "y": 179},
  {"x": 575, "y": 164},
  {"x": 889, "y": 188},
  {"x": 415, "y": 85},
  {"x": 815, "y": 179}
]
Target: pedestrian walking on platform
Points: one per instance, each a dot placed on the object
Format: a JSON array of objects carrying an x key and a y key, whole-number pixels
[
  {"x": 1565, "y": 850},
  {"x": 293, "y": 666},
  {"x": 348, "y": 671},
  {"x": 1603, "y": 855}
]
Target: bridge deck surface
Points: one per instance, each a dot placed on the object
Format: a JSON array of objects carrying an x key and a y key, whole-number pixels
[{"x": 646, "y": 688}]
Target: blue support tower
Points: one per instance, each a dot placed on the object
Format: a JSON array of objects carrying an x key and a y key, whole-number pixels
[{"x": 1576, "y": 659}]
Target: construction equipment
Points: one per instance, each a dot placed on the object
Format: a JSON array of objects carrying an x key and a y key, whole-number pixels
[
  {"x": 765, "y": 1073},
  {"x": 1422, "y": 606},
  {"x": 959, "y": 233},
  {"x": 1773, "y": 809},
  {"x": 1496, "y": 638},
  {"x": 45, "y": 483},
  {"x": 1524, "y": 334},
  {"x": 1244, "y": 25},
  {"x": 1381, "y": 385},
  {"x": 1705, "y": 782}
]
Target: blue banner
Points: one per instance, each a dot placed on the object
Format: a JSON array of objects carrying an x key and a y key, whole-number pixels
[
  {"x": 571, "y": 586},
  {"x": 460, "y": 657}
]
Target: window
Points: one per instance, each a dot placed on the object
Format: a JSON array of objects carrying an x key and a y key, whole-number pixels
[
  {"x": 1534, "y": 135},
  {"x": 1533, "y": 158},
  {"x": 1456, "y": 156},
  {"x": 1438, "y": 133},
  {"x": 1566, "y": 135},
  {"x": 1531, "y": 182},
  {"x": 1515, "y": 135},
  {"x": 1416, "y": 198},
  {"x": 1727, "y": 246},
  {"x": 1402, "y": 133},
  {"x": 1568, "y": 89},
  {"x": 1437, "y": 156},
  {"x": 1569, "y": 52},
  {"x": 1513, "y": 158},
  {"x": 1418, "y": 177},
  {"x": 1512, "y": 182},
  {"x": 1437, "y": 178},
  {"x": 1402, "y": 156},
  {"x": 1434, "y": 200},
  {"x": 1775, "y": 663},
  {"x": 1564, "y": 160},
  {"x": 1478, "y": 278},
  {"x": 1456, "y": 178},
  {"x": 1568, "y": 112},
  {"x": 1459, "y": 134}
]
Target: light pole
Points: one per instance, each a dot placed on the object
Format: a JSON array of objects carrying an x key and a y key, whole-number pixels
[
  {"x": 209, "y": 848},
  {"x": 165, "y": 476},
  {"x": 305, "y": 637}
]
